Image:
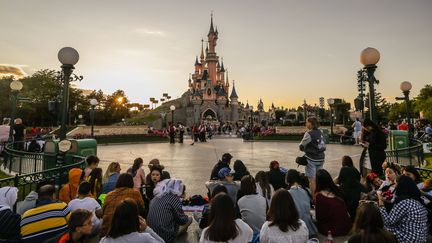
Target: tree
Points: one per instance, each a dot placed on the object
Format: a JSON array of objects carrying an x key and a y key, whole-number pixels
[{"x": 423, "y": 102}]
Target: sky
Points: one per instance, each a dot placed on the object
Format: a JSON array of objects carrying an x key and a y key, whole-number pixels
[{"x": 283, "y": 51}]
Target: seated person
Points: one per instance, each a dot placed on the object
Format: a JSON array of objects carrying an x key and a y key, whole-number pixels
[
  {"x": 80, "y": 227},
  {"x": 226, "y": 179},
  {"x": 48, "y": 219},
  {"x": 10, "y": 221}
]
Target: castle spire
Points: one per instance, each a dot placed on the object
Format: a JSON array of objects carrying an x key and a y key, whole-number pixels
[
  {"x": 222, "y": 69},
  {"x": 196, "y": 61},
  {"x": 233, "y": 92},
  {"x": 202, "y": 49},
  {"x": 211, "y": 25}
]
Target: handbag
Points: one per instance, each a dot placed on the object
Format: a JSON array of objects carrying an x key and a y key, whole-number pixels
[{"x": 301, "y": 160}]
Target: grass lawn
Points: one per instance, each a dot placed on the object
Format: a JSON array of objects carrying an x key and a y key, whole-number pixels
[
  {"x": 3, "y": 175},
  {"x": 428, "y": 158}
]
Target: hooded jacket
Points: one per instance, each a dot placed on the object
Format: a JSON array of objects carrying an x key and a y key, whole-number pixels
[
  {"x": 69, "y": 190},
  {"x": 29, "y": 202}
]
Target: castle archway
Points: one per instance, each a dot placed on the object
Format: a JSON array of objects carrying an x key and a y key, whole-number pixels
[{"x": 209, "y": 114}]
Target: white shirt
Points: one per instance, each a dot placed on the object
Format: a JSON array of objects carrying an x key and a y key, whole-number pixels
[
  {"x": 148, "y": 236},
  {"x": 87, "y": 203},
  {"x": 273, "y": 234},
  {"x": 245, "y": 233},
  {"x": 4, "y": 133}
]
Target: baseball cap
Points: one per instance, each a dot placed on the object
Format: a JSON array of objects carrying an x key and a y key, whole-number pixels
[{"x": 224, "y": 172}]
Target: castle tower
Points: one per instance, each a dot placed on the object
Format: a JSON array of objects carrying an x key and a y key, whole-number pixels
[
  {"x": 211, "y": 58},
  {"x": 234, "y": 103}
]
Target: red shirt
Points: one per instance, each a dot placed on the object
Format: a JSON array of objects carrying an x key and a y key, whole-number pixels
[
  {"x": 332, "y": 214},
  {"x": 403, "y": 127}
]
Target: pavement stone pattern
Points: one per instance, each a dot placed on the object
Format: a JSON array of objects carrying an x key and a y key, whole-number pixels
[{"x": 193, "y": 163}]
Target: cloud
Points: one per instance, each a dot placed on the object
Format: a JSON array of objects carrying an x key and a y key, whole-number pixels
[
  {"x": 145, "y": 31},
  {"x": 11, "y": 70}
]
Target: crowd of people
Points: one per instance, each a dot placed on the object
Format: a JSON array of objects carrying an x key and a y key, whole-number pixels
[{"x": 390, "y": 204}]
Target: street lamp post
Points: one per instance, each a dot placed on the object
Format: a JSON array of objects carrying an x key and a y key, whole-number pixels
[
  {"x": 15, "y": 86},
  {"x": 330, "y": 102},
  {"x": 406, "y": 87},
  {"x": 369, "y": 57},
  {"x": 172, "y": 108},
  {"x": 163, "y": 115},
  {"x": 93, "y": 103},
  {"x": 68, "y": 58}
]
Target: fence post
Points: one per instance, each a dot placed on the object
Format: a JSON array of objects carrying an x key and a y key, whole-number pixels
[
  {"x": 20, "y": 165},
  {"x": 35, "y": 162}
]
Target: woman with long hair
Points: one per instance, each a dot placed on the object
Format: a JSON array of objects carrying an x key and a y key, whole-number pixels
[
  {"x": 388, "y": 187},
  {"x": 128, "y": 226},
  {"x": 252, "y": 206},
  {"x": 263, "y": 186},
  {"x": 302, "y": 200},
  {"x": 223, "y": 226},
  {"x": 110, "y": 177},
  {"x": 349, "y": 182},
  {"x": 407, "y": 219},
  {"x": 156, "y": 173},
  {"x": 283, "y": 222},
  {"x": 376, "y": 143},
  {"x": 331, "y": 211},
  {"x": 95, "y": 179},
  {"x": 240, "y": 170},
  {"x": 369, "y": 226},
  {"x": 137, "y": 173}
]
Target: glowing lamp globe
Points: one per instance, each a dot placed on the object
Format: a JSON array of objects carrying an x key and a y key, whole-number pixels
[
  {"x": 68, "y": 56},
  {"x": 369, "y": 56},
  {"x": 172, "y": 108},
  {"x": 16, "y": 85},
  {"x": 405, "y": 86},
  {"x": 330, "y": 101},
  {"x": 93, "y": 102}
]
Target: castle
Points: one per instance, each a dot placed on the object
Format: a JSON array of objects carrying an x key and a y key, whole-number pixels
[{"x": 209, "y": 87}]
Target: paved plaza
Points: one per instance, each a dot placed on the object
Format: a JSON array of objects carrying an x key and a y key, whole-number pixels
[{"x": 193, "y": 164}]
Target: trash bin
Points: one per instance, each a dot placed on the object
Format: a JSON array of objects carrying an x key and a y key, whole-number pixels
[
  {"x": 398, "y": 139},
  {"x": 81, "y": 147},
  {"x": 326, "y": 136},
  {"x": 50, "y": 154}
]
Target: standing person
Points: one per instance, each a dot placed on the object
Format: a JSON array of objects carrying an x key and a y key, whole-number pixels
[
  {"x": 331, "y": 212},
  {"x": 407, "y": 220},
  {"x": 48, "y": 219},
  {"x": 181, "y": 129},
  {"x": 252, "y": 206},
  {"x": 313, "y": 146},
  {"x": 129, "y": 227},
  {"x": 10, "y": 221},
  {"x": 276, "y": 176},
  {"x": 110, "y": 177},
  {"x": 283, "y": 222},
  {"x": 224, "y": 162},
  {"x": 166, "y": 216},
  {"x": 369, "y": 226},
  {"x": 4, "y": 131},
  {"x": 171, "y": 132},
  {"x": 264, "y": 188},
  {"x": 80, "y": 227},
  {"x": 223, "y": 225},
  {"x": 357, "y": 130},
  {"x": 302, "y": 200},
  {"x": 376, "y": 144},
  {"x": 137, "y": 173},
  {"x": 19, "y": 134}
]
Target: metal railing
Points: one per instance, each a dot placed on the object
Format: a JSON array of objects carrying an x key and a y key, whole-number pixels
[
  {"x": 19, "y": 161},
  {"x": 28, "y": 182},
  {"x": 412, "y": 155}
]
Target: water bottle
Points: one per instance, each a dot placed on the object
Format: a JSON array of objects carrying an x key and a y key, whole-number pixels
[{"x": 329, "y": 237}]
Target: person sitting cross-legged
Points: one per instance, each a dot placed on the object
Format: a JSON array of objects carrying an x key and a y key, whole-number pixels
[
  {"x": 10, "y": 221},
  {"x": 166, "y": 216},
  {"x": 48, "y": 219}
]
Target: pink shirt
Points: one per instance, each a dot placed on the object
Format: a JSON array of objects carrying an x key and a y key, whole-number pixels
[{"x": 139, "y": 178}]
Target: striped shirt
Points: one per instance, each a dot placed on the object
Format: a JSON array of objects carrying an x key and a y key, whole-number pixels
[
  {"x": 165, "y": 214},
  {"x": 46, "y": 221}
]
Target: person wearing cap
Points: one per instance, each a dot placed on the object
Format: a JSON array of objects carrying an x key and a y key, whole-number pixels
[
  {"x": 223, "y": 163},
  {"x": 225, "y": 178}
]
